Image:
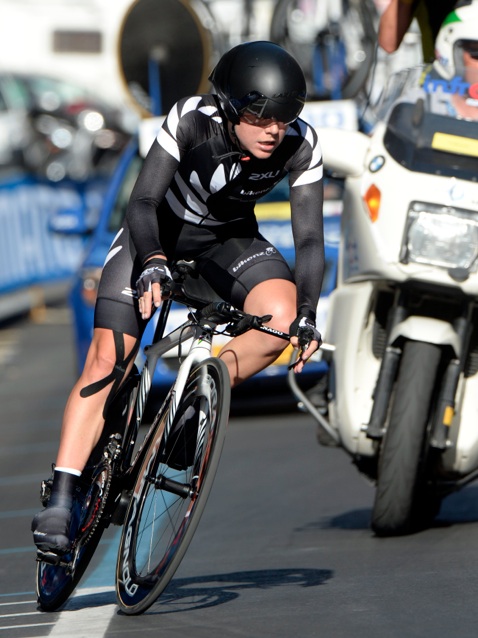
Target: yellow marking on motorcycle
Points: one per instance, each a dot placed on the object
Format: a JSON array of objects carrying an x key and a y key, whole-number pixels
[
  {"x": 283, "y": 359},
  {"x": 448, "y": 415},
  {"x": 455, "y": 144},
  {"x": 273, "y": 210}
]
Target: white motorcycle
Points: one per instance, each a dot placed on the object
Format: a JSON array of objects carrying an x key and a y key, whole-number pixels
[{"x": 402, "y": 394}]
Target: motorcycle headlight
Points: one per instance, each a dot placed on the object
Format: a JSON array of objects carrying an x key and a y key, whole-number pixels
[{"x": 442, "y": 237}]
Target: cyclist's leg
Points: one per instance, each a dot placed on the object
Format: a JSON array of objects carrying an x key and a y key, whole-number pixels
[
  {"x": 253, "y": 351},
  {"x": 118, "y": 329},
  {"x": 83, "y": 421},
  {"x": 252, "y": 274},
  {"x": 83, "y": 418}
]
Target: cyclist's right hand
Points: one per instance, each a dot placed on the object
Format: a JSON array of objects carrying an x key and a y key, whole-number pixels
[
  {"x": 305, "y": 336},
  {"x": 148, "y": 285}
]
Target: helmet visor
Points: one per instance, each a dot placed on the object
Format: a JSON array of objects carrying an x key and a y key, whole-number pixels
[{"x": 283, "y": 109}]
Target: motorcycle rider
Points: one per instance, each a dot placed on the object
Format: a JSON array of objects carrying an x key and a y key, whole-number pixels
[
  {"x": 456, "y": 62},
  {"x": 215, "y": 155}
]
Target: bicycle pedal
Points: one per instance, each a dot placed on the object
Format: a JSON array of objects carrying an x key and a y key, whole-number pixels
[{"x": 51, "y": 558}]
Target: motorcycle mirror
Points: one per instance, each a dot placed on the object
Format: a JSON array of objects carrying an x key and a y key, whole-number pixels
[{"x": 459, "y": 274}]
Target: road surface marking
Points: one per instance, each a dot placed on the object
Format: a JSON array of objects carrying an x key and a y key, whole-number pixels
[{"x": 76, "y": 617}]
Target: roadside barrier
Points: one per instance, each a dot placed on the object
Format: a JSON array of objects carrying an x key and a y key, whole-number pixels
[{"x": 34, "y": 261}]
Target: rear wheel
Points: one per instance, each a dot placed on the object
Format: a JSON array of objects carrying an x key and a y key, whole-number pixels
[
  {"x": 173, "y": 485},
  {"x": 401, "y": 483}
]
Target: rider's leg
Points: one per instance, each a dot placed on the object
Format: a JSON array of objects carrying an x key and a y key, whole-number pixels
[
  {"x": 83, "y": 417},
  {"x": 118, "y": 331},
  {"x": 253, "y": 351},
  {"x": 244, "y": 355},
  {"x": 109, "y": 360}
]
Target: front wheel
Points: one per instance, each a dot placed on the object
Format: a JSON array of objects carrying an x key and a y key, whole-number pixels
[
  {"x": 172, "y": 487},
  {"x": 403, "y": 455}
]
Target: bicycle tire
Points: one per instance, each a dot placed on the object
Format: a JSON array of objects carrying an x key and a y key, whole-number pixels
[
  {"x": 159, "y": 525},
  {"x": 56, "y": 583}
]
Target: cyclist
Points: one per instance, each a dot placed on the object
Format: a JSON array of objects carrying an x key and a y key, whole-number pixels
[{"x": 194, "y": 198}]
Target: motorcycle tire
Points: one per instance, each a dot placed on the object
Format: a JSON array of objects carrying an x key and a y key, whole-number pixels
[{"x": 399, "y": 498}]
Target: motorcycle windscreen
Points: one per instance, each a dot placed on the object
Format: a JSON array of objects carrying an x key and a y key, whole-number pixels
[{"x": 425, "y": 142}]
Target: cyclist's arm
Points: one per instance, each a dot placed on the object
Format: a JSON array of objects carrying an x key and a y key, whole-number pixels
[
  {"x": 394, "y": 23},
  {"x": 151, "y": 188},
  {"x": 149, "y": 191},
  {"x": 306, "y": 199},
  {"x": 153, "y": 182}
]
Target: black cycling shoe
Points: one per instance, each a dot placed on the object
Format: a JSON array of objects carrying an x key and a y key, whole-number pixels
[{"x": 51, "y": 528}]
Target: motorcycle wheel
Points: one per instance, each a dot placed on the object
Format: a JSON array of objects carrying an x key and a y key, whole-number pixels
[{"x": 401, "y": 504}]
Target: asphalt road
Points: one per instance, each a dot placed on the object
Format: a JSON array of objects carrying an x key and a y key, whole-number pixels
[{"x": 283, "y": 550}]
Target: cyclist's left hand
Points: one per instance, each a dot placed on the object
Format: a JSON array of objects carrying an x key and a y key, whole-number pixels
[{"x": 304, "y": 336}]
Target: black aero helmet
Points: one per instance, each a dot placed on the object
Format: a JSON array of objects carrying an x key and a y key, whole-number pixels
[{"x": 260, "y": 78}]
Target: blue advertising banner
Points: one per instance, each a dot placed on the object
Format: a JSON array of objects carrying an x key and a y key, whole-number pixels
[
  {"x": 37, "y": 263},
  {"x": 30, "y": 252}
]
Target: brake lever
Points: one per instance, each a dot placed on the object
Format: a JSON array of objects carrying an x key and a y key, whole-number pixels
[
  {"x": 299, "y": 359},
  {"x": 305, "y": 340}
]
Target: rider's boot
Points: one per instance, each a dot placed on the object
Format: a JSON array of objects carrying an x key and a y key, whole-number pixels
[{"x": 51, "y": 526}]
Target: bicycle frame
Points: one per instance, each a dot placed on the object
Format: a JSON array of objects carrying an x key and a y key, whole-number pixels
[{"x": 199, "y": 350}]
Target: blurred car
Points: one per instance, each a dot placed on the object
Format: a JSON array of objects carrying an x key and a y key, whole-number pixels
[
  {"x": 73, "y": 134},
  {"x": 16, "y": 132},
  {"x": 273, "y": 213}
]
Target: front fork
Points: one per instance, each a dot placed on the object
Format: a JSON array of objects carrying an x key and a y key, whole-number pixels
[
  {"x": 385, "y": 380},
  {"x": 445, "y": 401}
]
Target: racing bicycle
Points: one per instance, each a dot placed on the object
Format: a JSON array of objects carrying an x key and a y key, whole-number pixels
[{"x": 156, "y": 488}]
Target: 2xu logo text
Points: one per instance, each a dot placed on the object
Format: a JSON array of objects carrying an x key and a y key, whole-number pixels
[{"x": 269, "y": 175}]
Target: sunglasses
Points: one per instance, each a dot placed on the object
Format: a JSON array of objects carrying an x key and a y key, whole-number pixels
[{"x": 263, "y": 122}]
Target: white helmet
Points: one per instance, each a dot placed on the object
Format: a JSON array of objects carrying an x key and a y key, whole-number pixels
[{"x": 458, "y": 31}]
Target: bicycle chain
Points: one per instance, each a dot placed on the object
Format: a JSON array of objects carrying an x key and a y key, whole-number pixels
[{"x": 111, "y": 453}]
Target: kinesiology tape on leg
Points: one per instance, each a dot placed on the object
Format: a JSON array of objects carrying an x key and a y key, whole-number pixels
[{"x": 116, "y": 375}]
